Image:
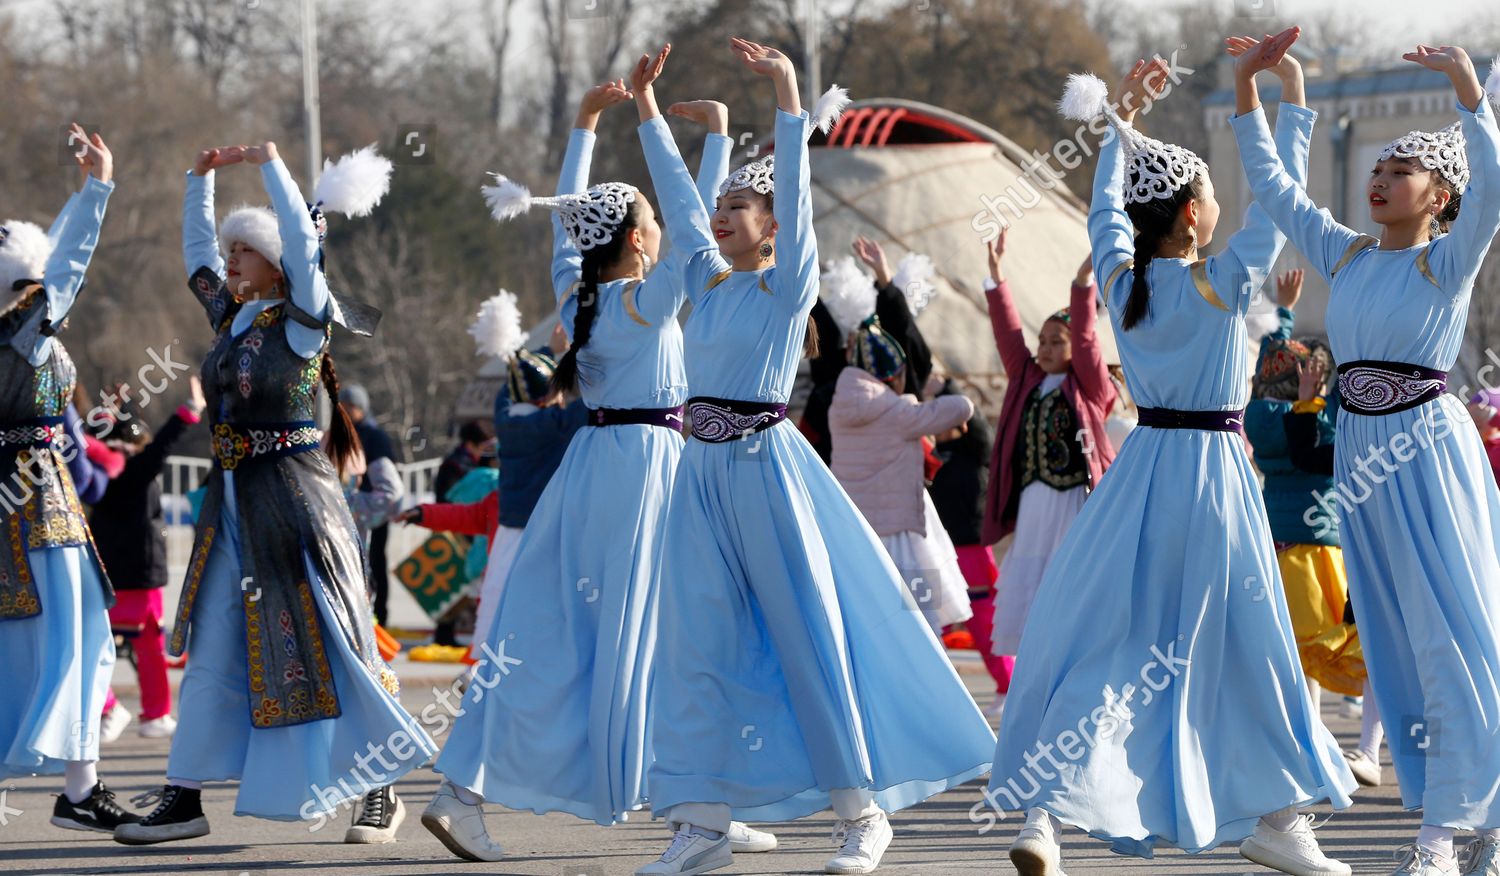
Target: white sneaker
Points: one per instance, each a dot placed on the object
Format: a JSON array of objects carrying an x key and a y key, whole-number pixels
[
  {"x": 1481, "y": 858},
  {"x": 690, "y": 853},
  {"x": 1035, "y": 851},
  {"x": 1292, "y": 851},
  {"x": 995, "y": 708},
  {"x": 1365, "y": 770},
  {"x": 158, "y": 728},
  {"x": 1352, "y": 707},
  {"x": 113, "y": 723},
  {"x": 460, "y": 826},
  {"x": 744, "y": 839},
  {"x": 1417, "y": 861},
  {"x": 863, "y": 842}
]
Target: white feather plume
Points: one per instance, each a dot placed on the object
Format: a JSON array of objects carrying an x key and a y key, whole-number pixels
[
  {"x": 24, "y": 254},
  {"x": 507, "y": 198},
  {"x": 354, "y": 184},
  {"x": 848, "y": 293},
  {"x": 497, "y": 327},
  {"x": 1085, "y": 97},
  {"x": 1492, "y": 83},
  {"x": 829, "y": 107},
  {"x": 913, "y": 277}
]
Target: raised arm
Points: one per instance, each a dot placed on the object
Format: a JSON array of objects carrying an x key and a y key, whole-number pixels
[
  {"x": 1005, "y": 319},
  {"x": 1089, "y": 368},
  {"x": 1111, "y": 234},
  {"x": 717, "y": 146},
  {"x": 574, "y": 177},
  {"x": 694, "y": 254},
  {"x": 1456, "y": 257},
  {"x": 912, "y": 419},
  {"x": 301, "y": 251},
  {"x": 64, "y": 274}
]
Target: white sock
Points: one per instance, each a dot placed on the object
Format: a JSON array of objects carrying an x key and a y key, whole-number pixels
[
  {"x": 1281, "y": 819},
  {"x": 79, "y": 779},
  {"x": 1371, "y": 731},
  {"x": 852, "y": 804},
  {"x": 1438, "y": 840},
  {"x": 185, "y": 783},
  {"x": 1039, "y": 817},
  {"x": 1315, "y": 691}
]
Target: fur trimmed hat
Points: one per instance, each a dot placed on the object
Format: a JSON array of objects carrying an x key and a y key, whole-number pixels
[{"x": 24, "y": 251}]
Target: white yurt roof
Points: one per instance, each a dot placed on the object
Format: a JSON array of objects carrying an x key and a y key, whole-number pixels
[{"x": 921, "y": 192}]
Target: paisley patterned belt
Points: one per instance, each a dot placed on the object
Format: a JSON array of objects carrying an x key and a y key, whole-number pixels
[
  {"x": 234, "y": 444},
  {"x": 668, "y": 418},
  {"x": 35, "y": 432},
  {"x": 1376, "y": 388},
  {"x": 1208, "y": 421},
  {"x": 717, "y": 420}
]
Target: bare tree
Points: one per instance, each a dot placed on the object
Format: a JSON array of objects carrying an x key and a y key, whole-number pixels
[{"x": 497, "y": 32}]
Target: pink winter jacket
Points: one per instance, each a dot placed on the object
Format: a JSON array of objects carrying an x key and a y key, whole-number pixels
[
  {"x": 877, "y": 447},
  {"x": 1087, "y": 388}
]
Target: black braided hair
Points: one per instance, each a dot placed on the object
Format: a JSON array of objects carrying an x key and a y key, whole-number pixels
[
  {"x": 1154, "y": 222},
  {"x": 595, "y": 261}
]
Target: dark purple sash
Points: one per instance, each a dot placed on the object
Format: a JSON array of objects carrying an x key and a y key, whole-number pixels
[
  {"x": 1208, "y": 421},
  {"x": 1376, "y": 388},
  {"x": 717, "y": 420},
  {"x": 667, "y": 418}
]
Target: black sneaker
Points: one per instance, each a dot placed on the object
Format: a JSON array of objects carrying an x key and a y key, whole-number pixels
[
  {"x": 97, "y": 811},
  {"x": 375, "y": 821},
  {"x": 179, "y": 816}
]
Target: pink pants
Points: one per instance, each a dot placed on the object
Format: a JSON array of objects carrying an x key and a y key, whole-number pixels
[
  {"x": 980, "y": 572},
  {"x": 142, "y": 610}
]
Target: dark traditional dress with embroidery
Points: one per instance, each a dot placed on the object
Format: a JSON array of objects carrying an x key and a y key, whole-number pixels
[
  {"x": 285, "y": 686},
  {"x": 55, "y": 643}
]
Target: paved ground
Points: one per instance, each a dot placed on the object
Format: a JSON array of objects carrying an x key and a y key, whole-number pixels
[{"x": 934, "y": 838}]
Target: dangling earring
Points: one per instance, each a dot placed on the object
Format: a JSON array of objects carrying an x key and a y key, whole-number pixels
[
  {"x": 767, "y": 250},
  {"x": 645, "y": 263}
]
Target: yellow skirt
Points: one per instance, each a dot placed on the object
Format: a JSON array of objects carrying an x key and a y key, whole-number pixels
[{"x": 1316, "y": 590}]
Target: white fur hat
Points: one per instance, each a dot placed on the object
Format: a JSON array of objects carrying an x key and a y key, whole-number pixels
[
  {"x": 24, "y": 250},
  {"x": 256, "y": 228},
  {"x": 353, "y": 185}
]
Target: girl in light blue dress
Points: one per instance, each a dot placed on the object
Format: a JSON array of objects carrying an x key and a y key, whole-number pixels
[
  {"x": 55, "y": 641},
  {"x": 794, "y": 671},
  {"x": 1172, "y": 710},
  {"x": 1415, "y": 501},
  {"x": 556, "y": 719}
]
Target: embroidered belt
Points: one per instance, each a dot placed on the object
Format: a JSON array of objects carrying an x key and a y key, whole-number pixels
[
  {"x": 668, "y": 418},
  {"x": 234, "y": 444},
  {"x": 1208, "y": 421},
  {"x": 1376, "y": 388},
  {"x": 34, "y": 432},
  {"x": 717, "y": 420}
]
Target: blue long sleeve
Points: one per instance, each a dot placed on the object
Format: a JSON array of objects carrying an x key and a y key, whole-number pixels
[
  {"x": 1321, "y": 239},
  {"x": 795, "y": 279},
  {"x": 1111, "y": 233},
  {"x": 1243, "y": 268},
  {"x": 567, "y": 262},
  {"x": 77, "y": 237},
  {"x": 713, "y": 169},
  {"x": 301, "y": 259},
  {"x": 694, "y": 254},
  {"x": 1456, "y": 256},
  {"x": 200, "y": 240}
]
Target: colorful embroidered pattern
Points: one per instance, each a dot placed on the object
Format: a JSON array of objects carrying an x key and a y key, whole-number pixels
[
  {"x": 1374, "y": 390},
  {"x": 190, "y": 590},
  {"x": 30, "y": 436},
  {"x": 232, "y": 445}
]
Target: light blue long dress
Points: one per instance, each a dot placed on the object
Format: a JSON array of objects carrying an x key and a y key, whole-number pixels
[
  {"x": 1417, "y": 506},
  {"x": 792, "y": 661},
  {"x": 1158, "y": 696},
  {"x": 309, "y": 770},
  {"x": 559, "y": 720},
  {"x": 58, "y": 661}
]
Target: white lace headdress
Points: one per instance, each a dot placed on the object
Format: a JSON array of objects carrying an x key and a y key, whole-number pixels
[
  {"x": 1153, "y": 169},
  {"x": 1443, "y": 151},
  {"x": 590, "y": 217},
  {"x": 759, "y": 175}
]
